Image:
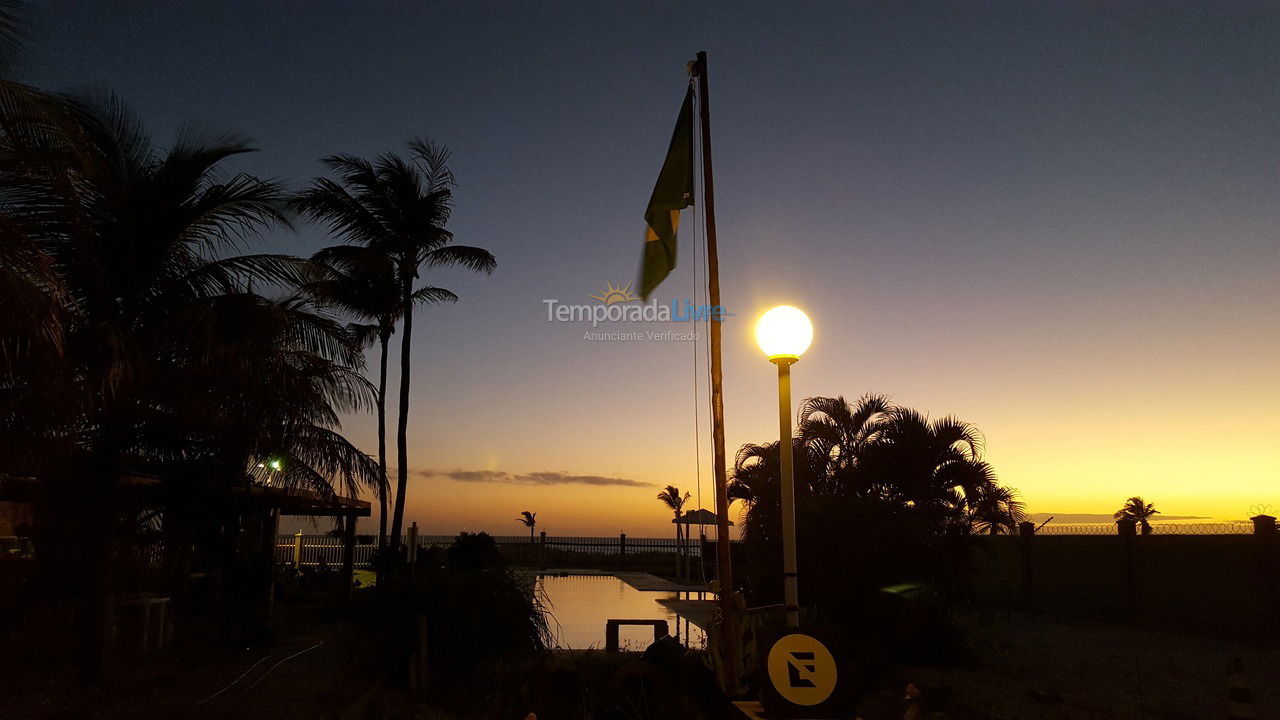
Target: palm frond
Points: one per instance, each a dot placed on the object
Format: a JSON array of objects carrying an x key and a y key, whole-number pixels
[{"x": 465, "y": 256}]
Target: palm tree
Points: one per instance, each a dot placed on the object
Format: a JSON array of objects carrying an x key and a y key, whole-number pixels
[
  {"x": 163, "y": 357},
  {"x": 875, "y": 450},
  {"x": 996, "y": 509},
  {"x": 1139, "y": 511},
  {"x": 361, "y": 282},
  {"x": 834, "y": 433},
  {"x": 263, "y": 381},
  {"x": 831, "y": 436},
  {"x": 12, "y": 32},
  {"x": 530, "y": 520},
  {"x": 399, "y": 207},
  {"x": 932, "y": 466},
  {"x": 674, "y": 501}
]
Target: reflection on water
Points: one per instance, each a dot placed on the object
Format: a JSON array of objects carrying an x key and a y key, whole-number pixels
[{"x": 580, "y": 605}]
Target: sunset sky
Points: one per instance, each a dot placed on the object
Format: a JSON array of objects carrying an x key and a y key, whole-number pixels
[{"x": 1059, "y": 223}]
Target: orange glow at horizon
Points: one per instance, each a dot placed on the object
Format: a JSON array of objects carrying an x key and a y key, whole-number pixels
[{"x": 1073, "y": 435}]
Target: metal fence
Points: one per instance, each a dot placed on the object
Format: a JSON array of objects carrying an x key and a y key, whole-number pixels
[
  {"x": 1215, "y": 528},
  {"x": 612, "y": 545},
  {"x": 317, "y": 550}
]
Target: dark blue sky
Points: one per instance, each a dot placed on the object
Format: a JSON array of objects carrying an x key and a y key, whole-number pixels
[{"x": 1056, "y": 220}]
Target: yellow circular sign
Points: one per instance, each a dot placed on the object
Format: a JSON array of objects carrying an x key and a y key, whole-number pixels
[{"x": 802, "y": 669}]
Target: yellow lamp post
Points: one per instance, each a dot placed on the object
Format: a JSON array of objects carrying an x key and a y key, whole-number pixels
[{"x": 784, "y": 333}]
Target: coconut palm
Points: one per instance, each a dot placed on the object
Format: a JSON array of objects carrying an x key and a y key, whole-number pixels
[
  {"x": 1139, "y": 511},
  {"x": 132, "y": 237},
  {"x": 165, "y": 358},
  {"x": 262, "y": 380},
  {"x": 361, "y": 281},
  {"x": 399, "y": 207},
  {"x": 530, "y": 520},
  {"x": 12, "y": 32},
  {"x": 671, "y": 498}
]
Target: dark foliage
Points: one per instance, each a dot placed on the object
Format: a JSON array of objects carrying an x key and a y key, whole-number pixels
[
  {"x": 478, "y": 617},
  {"x": 884, "y": 497}
]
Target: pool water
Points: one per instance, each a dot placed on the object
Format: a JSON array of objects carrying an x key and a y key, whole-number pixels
[{"x": 579, "y": 605}]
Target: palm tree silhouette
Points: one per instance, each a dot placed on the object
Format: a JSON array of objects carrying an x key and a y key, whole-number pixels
[
  {"x": 530, "y": 520},
  {"x": 399, "y": 207},
  {"x": 996, "y": 509},
  {"x": 874, "y": 449},
  {"x": 1136, "y": 509},
  {"x": 932, "y": 466},
  {"x": 674, "y": 501},
  {"x": 834, "y": 433},
  {"x": 156, "y": 353},
  {"x": 361, "y": 281}
]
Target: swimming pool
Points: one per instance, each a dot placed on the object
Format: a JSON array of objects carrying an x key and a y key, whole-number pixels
[{"x": 579, "y": 605}]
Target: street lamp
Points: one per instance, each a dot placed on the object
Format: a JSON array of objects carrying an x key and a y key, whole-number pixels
[{"x": 784, "y": 333}]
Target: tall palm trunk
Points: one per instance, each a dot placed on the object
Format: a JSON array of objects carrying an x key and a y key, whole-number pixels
[
  {"x": 402, "y": 425},
  {"x": 383, "y": 338}
]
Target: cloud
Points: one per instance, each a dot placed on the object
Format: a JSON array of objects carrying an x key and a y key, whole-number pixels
[{"x": 535, "y": 478}]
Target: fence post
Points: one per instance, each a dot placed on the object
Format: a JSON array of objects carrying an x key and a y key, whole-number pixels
[
  {"x": 348, "y": 556},
  {"x": 1128, "y": 537},
  {"x": 622, "y": 544},
  {"x": 542, "y": 550},
  {"x": 1264, "y": 525},
  {"x": 1026, "y": 535},
  {"x": 1267, "y": 542},
  {"x": 297, "y": 550},
  {"x": 413, "y": 544}
]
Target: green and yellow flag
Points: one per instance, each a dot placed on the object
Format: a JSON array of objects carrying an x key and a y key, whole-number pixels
[{"x": 673, "y": 191}]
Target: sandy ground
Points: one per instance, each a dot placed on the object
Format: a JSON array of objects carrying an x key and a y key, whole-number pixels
[{"x": 1040, "y": 669}]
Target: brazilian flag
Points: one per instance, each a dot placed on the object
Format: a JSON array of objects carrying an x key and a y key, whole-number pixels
[{"x": 673, "y": 191}]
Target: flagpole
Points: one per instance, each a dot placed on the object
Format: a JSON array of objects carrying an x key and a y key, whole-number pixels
[{"x": 724, "y": 557}]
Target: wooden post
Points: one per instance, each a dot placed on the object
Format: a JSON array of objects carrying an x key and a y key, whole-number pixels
[
  {"x": 418, "y": 663},
  {"x": 297, "y": 550},
  {"x": 729, "y": 641},
  {"x": 412, "y": 555},
  {"x": 542, "y": 550},
  {"x": 702, "y": 557},
  {"x": 271, "y": 526},
  {"x": 348, "y": 556},
  {"x": 622, "y": 544}
]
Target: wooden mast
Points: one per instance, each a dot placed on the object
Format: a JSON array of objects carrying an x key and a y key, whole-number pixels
[{"x": 724, "y": 558}]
